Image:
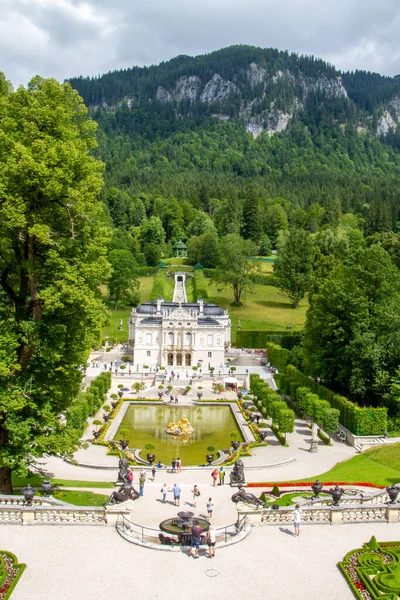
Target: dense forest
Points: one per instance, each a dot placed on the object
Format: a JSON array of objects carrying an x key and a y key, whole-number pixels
[{"x": 186, "y": 157}]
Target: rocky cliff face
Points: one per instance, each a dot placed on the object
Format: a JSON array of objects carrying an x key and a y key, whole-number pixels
[{"x": 255, "y": 117}]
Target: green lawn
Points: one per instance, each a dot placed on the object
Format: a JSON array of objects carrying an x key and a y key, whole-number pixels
[
  {"x": 265, "y": 308},
  {"x": 81, "y": 498},
  {"x": 122, "y": 311},
  {"x": 36, "y": 481},
  {"x": 379, "y": 465}
]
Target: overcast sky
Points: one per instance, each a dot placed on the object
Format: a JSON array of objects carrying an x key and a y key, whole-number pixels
[{"x": 64, "y": 38}]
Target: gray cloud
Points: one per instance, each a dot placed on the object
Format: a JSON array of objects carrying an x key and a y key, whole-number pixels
[{"x": 63, "y": 38}]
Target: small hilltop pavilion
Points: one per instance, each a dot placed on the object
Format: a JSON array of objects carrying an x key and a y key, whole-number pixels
[{"x": 179, "y": 250}]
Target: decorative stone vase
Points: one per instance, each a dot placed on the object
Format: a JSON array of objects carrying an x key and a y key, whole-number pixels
[
  {"x": 47, "y": 487},
  {"x": 151, "y": 458},
  {"x": 124, "y": 444},
  {"x": 336, "y": 494},
  {"x": 262, "y": 435},
  {"x": 393, "y": 491},
  {"x": 106, "y": 417},
  {"x": 317, "y": 487},
  {"x": 235, "y": 445},
  {"x": 114, "y": 404},
  {"x": 209, "y": 458},
  {"x": 28, "y": 494}
]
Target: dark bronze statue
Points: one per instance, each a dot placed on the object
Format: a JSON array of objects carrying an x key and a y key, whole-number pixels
[
  {"x": 123, "y": 470},
  {"x": 96, "y": 434},
  {"x": 237, "y": 473},
  {"x": 243, "y": 496},
  {"x": 125, "y": 492}
]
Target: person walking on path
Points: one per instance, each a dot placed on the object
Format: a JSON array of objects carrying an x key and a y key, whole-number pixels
[
  {"x": 196, "y": 494},
  {"x": 196, "y": 532},
  {"x": 173, "y": 464},
  {"x": 210, "y": 508},
  {"x": 143, "y": 473},
  {"x": 211, "y": 539},
  {"x": 221, "y": 475},
  {"x": 164, "y": 491},
  {"x": 153, "y": 472},
  {"x": 214, "y": 476},
  {"x": 179, "y": 465},
  {"x": 176, "y": 490},
  {"x": 142, "y": 480},
  {"x": 297, "y": 519},
  {"x": 130, "y": 476}
]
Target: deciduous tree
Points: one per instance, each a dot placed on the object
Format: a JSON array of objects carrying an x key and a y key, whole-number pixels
[{"x": 53, "y": 248}]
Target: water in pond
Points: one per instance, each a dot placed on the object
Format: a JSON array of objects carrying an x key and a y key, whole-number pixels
[{"x": 147, "y": 424}]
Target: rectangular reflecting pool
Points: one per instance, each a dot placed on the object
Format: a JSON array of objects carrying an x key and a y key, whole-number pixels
[{"x": 148, "y": 423}]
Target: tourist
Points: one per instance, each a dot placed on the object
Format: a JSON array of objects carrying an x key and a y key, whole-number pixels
[
  {"x": 211, "y": 539},
  {"x": 221, "y": 474},
  {"x": 173, "y": 464},
  {"x": 142, "y": 480},
  {"x": 176, "y": 399},
  {"x": 196, "y": 532},
  {"x": 210, "y": 508},
  {"x": 176, "y": 490},
  {"x": 214, "y": 476},
  {"x": 153, "y": 472},
  {"x": 143, "y": 473},
  {"x": 297, "y": 519},
  {"x": 159, "y": 465},
  {"x": 164, "y": 491},
  {"x": 130, "y": 476},
  {"x": 196, "y": 494},
  {"x": 179, "y": 465}
]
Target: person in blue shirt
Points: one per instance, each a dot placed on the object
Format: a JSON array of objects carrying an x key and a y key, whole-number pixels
[{"x": 176, "y": 490}]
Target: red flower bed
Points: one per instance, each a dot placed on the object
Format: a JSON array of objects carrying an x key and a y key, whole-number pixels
[{"x": 309, "y": 484}]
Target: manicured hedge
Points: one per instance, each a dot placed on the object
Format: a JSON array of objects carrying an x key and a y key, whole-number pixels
[
  {"x": 145, "y": 271},
  {"x": 278, "y": 356},
  {"x": 259, "y": 339},
  {"x": 89, "y": 402},
  {"x": 158, "y": 289},
  {"x": 358, "y": 419},
  {"x": 200, "y": 285}
]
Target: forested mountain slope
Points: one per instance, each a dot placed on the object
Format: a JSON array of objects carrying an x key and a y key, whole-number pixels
[{"x": 210, "y": 130}]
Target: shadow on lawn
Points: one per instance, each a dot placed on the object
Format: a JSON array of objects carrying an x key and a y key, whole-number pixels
[{"x": 272, "y": 304}]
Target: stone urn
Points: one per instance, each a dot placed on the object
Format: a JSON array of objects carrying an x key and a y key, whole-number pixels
[
  {"x": 235, "y": 445},
  {"x": 317, "y": 488},
  {"x": 124, "y": 444},
  {"x": 252, "y": 417},
  {"x": 393, "y": 491},
  {"x": 262, "y": 435},
  {"x": 336, "y": 494},
  {"x": 209, "y": 458},
  {"x": 151, "y": 458},
  {"x": 47, "y": 487},
  {"x": 114, "y": 404},
  {"x": 28, "y": 494},
  {"x": 105, "y": 417}
]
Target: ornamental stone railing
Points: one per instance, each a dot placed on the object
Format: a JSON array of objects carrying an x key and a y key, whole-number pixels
[
  {"x": 322, "y": 514},
  {"x": 21, "y": 513}
]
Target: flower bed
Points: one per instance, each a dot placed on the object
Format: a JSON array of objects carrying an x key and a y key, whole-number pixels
[
  {"x": 10, "y": 572},
  {"x": 309, "y": 484},
  {"x": 373, "y": 571}
]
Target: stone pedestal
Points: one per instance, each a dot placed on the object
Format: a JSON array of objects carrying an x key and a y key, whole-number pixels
[
  {"x": 113, "y": 512},
  {"x": 313, "y": 446},
  {"x": 28, "y": 516},
  {"x": 393, "y": 512}
]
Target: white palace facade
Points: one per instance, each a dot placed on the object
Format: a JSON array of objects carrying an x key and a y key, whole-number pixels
[{"x": 179, "y": 334}]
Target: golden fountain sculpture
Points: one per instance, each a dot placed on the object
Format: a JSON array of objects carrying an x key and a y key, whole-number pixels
[{"x": 182, "y": 429}]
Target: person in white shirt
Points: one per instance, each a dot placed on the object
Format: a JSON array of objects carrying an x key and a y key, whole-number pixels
[
  {"x": 211, "y": 539},
  {"x": 297, "y": 519}
]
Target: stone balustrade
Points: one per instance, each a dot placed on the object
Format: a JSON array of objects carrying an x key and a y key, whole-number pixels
[
  {"x": 20, "y": 513},
  {"x": 322, "y": 514}
]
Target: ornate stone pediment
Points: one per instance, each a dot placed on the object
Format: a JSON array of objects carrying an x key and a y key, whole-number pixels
[{"x": 179, "y": 314}]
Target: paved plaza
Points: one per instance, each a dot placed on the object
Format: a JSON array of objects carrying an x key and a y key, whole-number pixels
[{"x": 94, "y": 563}]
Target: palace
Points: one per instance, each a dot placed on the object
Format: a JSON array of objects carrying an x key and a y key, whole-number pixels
[{"x": 179, "y": 334}]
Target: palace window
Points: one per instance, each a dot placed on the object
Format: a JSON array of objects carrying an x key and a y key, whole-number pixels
[
  {"x": 148, "y": 353},
  {"x": 209, "y": 340},
  {"x": 210, "y": 355}
]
